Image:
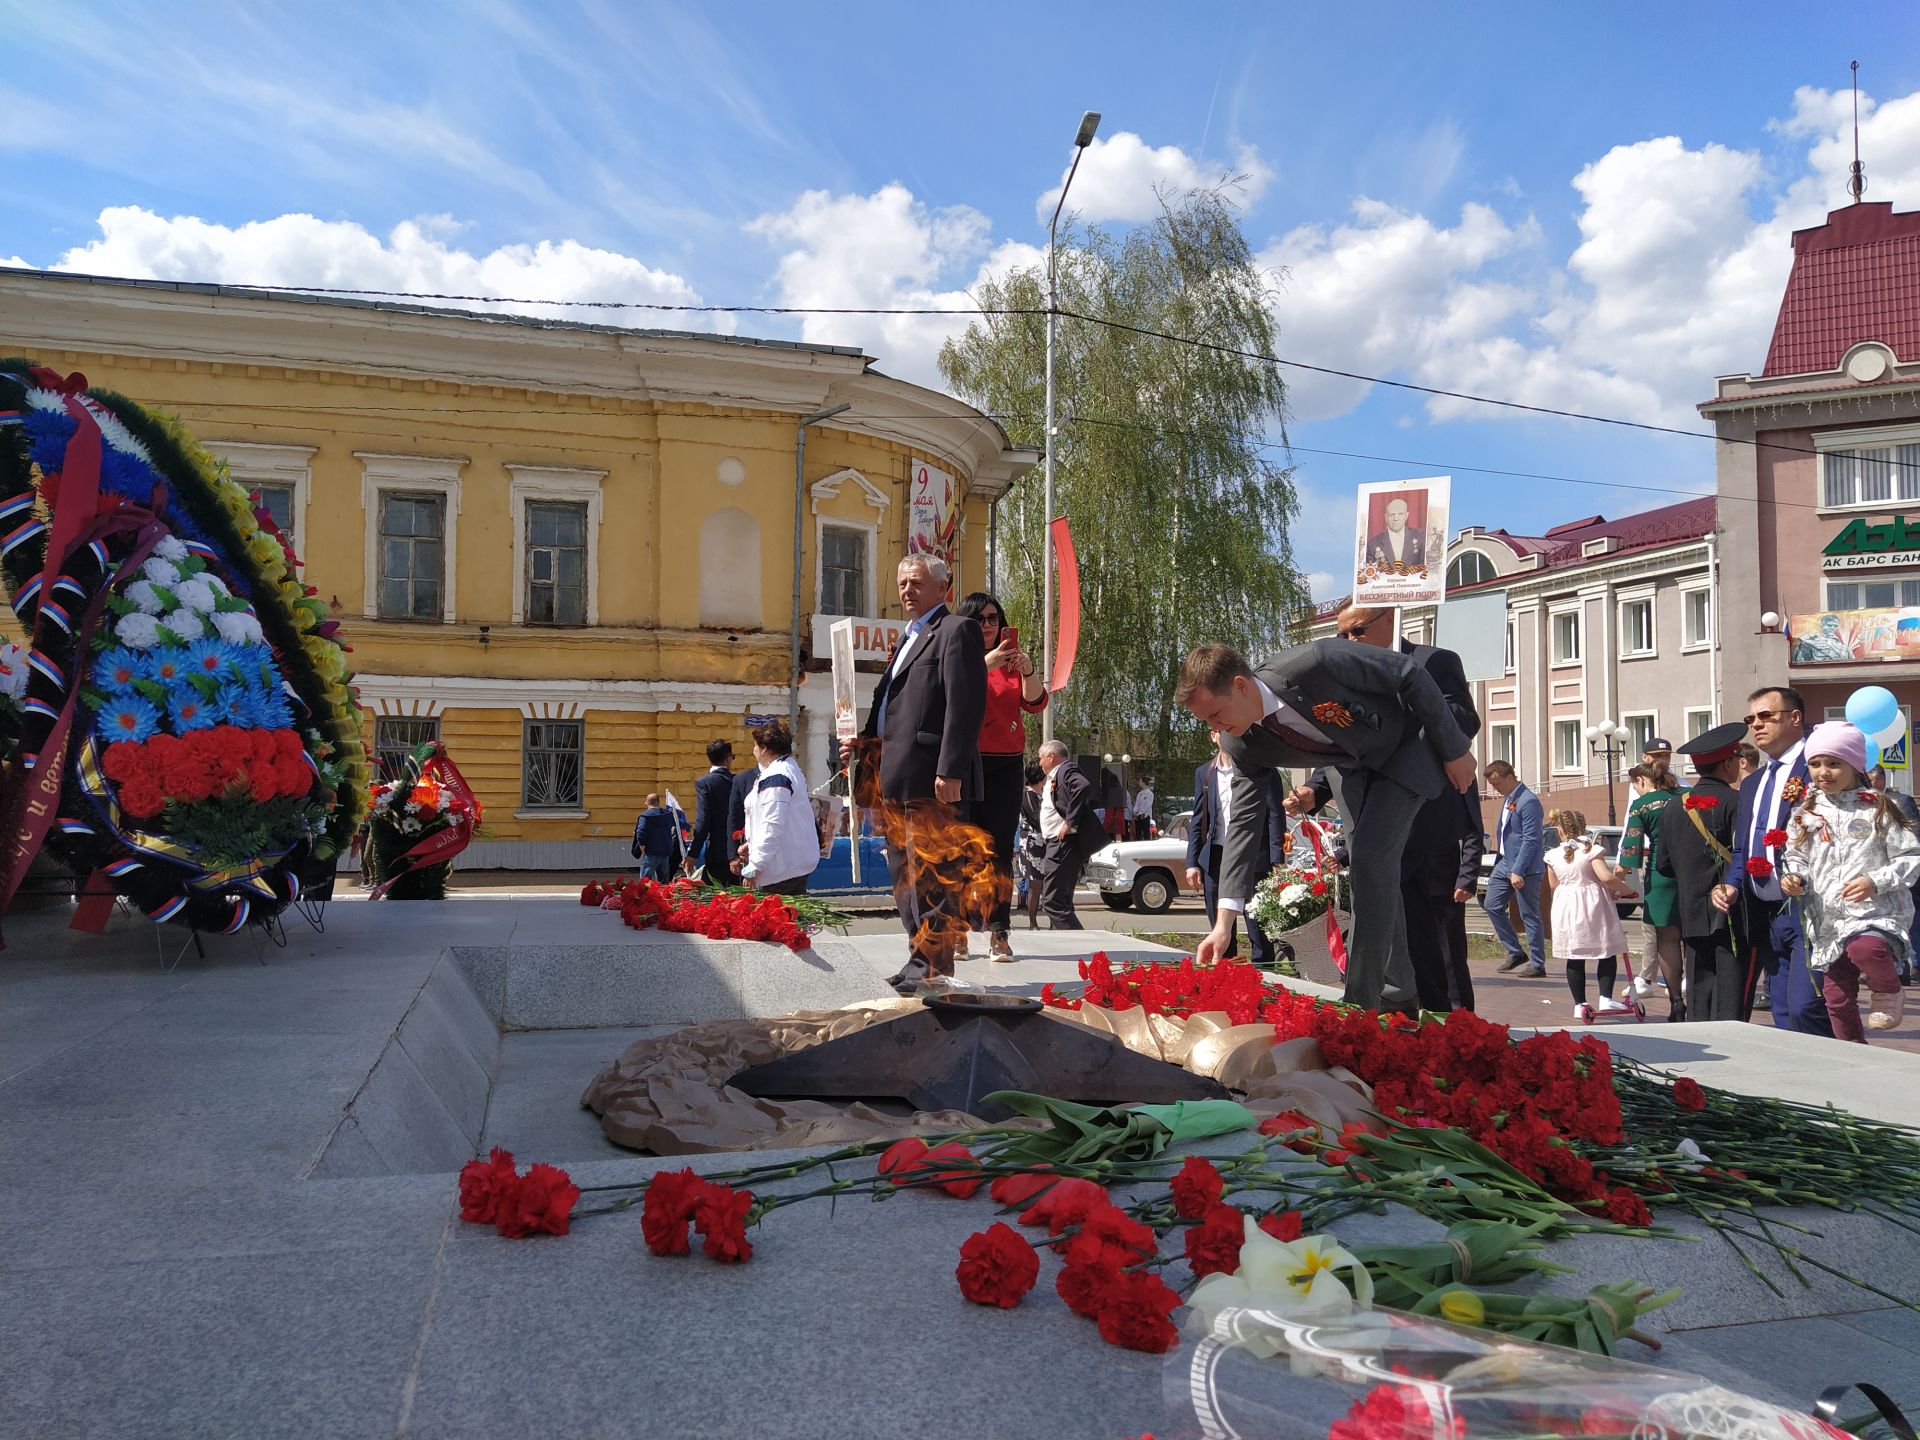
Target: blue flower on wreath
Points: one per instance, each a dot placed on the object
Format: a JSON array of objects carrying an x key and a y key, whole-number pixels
[
  {"x": 115, "y": 671},
  {"x": 165, "y": 665},
  {"x": 271, "y": 710},
  {"x": 238, "y": 706},
  {"x": 48, "y": 432},
  {"x": 188, "y": 709},
  {"x": 128, "y": 717},
  {"x": 126, "y": 475},
  {"x": 212, "y": 657}
]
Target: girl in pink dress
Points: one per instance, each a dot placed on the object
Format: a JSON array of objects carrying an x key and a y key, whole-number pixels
[{"x": 1585, "y": 924}]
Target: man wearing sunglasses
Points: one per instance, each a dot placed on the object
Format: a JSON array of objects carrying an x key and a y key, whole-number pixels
[{"x": 1776, "y": 716}]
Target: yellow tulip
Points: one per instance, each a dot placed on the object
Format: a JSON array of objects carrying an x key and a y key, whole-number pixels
[{"x": 1463, "y": 1307}]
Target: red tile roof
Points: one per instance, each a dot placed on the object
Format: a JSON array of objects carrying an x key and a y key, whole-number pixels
[{"x": 1855, "y": 278}]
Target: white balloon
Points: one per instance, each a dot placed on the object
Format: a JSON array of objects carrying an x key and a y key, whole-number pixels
[{"x": 1890, "y": 736}]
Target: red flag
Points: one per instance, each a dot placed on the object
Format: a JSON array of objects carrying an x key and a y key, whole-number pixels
[{"x": 1066, "y": 645}]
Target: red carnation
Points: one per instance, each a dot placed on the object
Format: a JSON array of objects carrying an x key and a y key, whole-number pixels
[
  {"x": 720, "y": 1214},
  {"x": 1291, "y": 1122},
  {"x": 592, "y": 893},
  {"x": 1196, "y": 1189},
  {"x": 1626, "y": 1208},
  {"x": 1213, "y": 1246},
  {"x": 1701, "y": 802},
  {"x": 1083, "y": 1286},
  {"x": 543, "y": 1201},
  {"x": 1133, "y": 1313},
  {"x": 1019, "y": 1189},
  {"x": 667, "y": 1209},
  {"x": 1067, "y": 1203},
  {"x": 997, "y": 1266},
  {"x": 1774, "y": 839},
  {"x": 140, "y": 799},
  {"x": 1688, "y": 1095},
  {"x": 1391, "y": 1412},
  {"x": 1283, "y": 1225},
  {"x": 963, "y": 1181},
  {"x": 1111, "y": 1237},
  {"x": 1760, "y": 867},
  {"x": 486, "y": 1186}
]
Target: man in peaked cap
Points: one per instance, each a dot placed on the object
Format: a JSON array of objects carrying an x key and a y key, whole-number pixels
[{"x": 1696, "y": 843}]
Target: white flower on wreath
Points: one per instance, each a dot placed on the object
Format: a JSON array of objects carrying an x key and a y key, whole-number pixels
[
  {"x": 196, "y": 594},
  {"x": 161, "y": 571},
  {"x": 137, "y": 632},
  {"x": 1298, "y": 1279},
  {"x": 1293, "y": 894},
  {"x": 116, "y": 434},
  {"x": 13, "y": 672},
  {"x": 171, "y": 548},
  {"x": 51, "y": 400},
  {"x": 1689, "y": 1151},
  {"x": 186, "y": 624},
  {"x": 237, "y": 627},
  {"x": 141, "y": 593}
]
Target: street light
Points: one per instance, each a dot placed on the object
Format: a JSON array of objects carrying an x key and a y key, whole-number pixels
[
  {"x": 1089, "y": 123},
  {"x": 1600, "y": 740}
]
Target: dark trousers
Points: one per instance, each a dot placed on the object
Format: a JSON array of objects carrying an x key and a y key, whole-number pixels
[
  {"x": 934, "y": 934},
  {"x": 1459, "y": 973},
  {"x": 797, "y": 885},
  {"x": 1716, "y": 979},
  {"x": 1260, "y": 948},
  {"x": 1440, "y": 975},
  {"x": 1779, "y": 950},
  {"x": 1059, "y": 878},
  {"x": 999, "y": 815},
  {"x": 1379, "y": 969}
]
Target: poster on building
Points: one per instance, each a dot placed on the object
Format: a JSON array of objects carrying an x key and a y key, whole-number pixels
[
  {"x": 1400, "y": 542},
  {"x": 1838, "y": 637},
  {"x": 933, "y": 512},
  {"x": 846, "y": 713}
]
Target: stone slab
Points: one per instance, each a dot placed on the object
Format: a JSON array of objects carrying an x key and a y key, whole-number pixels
[
  {"x": 557, "y": 987},
  {"x": 535, "y": 1107},
  {"x": 432, "y": 1038},
  {"x": 403, "y": 1121}
]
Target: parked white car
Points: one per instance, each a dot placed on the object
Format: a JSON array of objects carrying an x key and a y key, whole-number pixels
[{"x": 1140, "y": 874}]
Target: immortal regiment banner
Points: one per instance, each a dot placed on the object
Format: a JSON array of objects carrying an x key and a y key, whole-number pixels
[
  {"x": 846, "y": 720},
  {"x": 933, "y": 513},
  {"x": 1400, "y": 542}
]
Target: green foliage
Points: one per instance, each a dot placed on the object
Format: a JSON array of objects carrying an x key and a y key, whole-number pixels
[
  {"x": 236, "y": 828},
  {"x": 1180, "y": 519}
]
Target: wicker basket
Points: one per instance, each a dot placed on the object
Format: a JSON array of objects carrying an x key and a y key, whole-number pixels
[{"x": 1311, "y": 957}]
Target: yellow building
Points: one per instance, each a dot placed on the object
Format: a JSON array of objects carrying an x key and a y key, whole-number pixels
[{"x": 566, "y": 550}]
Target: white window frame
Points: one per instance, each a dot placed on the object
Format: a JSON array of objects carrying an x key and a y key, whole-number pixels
[
  {"x": 1866, "y": 577},
  {"x": 1513, "y": 645},
  {"x": 1578, "y": 614},
  {"x": 821, "y": 524},
  {"x": 1847, "y": 441},
  {"x": 1652, "y": 717},
  {"x": 1579, "y": 767},
  {"x": 563, "y": 483},
  {"x": 1511, "y": 753},
  {"x": 382, "y": 473},
  {"x": 1493, "y": 571},
  {"x": 1696, "y": 720},
  {"x": 252, "y": 464},
  {"x": 1687, "y": 592},
  {"x": 1645, "y": 597}
]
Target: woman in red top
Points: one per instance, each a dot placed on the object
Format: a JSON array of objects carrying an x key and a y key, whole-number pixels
[{"x": 1012, "y": 688}]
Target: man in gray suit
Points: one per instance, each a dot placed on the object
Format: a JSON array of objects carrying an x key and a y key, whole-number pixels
[{"x": 1379, "y": 720}]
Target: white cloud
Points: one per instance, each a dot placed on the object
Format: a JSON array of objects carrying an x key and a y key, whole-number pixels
[
  {"x": 417, "y": 256},
  {"x": 1683, "y": 255},
  {"x": 1122, "y": 178},
  {"x": 886, "y": 250},
  {"x": 1325, "y": 585}
]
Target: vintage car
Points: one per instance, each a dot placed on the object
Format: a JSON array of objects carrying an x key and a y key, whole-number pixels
[{"x": 1140, "y": 874}]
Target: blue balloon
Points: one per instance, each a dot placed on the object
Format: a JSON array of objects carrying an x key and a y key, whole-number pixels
[
  {"x": 1871, "y": 709},
  {"x": 1873, "y": 753}
]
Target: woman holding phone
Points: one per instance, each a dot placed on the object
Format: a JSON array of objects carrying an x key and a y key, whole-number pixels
[{"x": 1012, "y": 690}]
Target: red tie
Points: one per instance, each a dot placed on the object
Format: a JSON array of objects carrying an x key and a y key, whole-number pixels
[{"x": 1299, "y": 739}]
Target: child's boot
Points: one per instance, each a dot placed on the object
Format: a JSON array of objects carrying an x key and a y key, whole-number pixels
[{"x": 1884, "y": 1008}]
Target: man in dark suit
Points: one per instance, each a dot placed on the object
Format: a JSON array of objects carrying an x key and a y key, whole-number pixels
[
  {"x": 1206, "y": 841},
  {"x": 1073, "y": 833},
  {"x": 1397, "y": 545},
  {"x": 927, "y": 707},
  {"x": 1380, "y": 721},
  {"x": 1777, "y": 717},
  {"x": 1696, "y": 846},
  {"x": 1431, "y": 865},
  {"x": 711, "y": 850},
  {"x": 743, "y": 784}
]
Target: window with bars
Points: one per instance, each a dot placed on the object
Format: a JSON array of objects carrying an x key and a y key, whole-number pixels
[
  {"x": 1698, "y": 609},
  {"x": 395, "y": 737},
  {"x": 1897, "y": 591},
  {"x": 1874, "y": 475},
  {"x": 556, "y": 563},
  {"x": 1636, "y": 627},
  {"x": 551, "y": 755},
  {"x": 843, "y": 570},
  {"x": 412, "y": 555}
]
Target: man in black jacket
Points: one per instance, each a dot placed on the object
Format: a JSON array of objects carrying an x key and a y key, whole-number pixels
[
  {"x": 1073, "y": 833},
  {"x": 927, "y": 708},
  {"x": 1433, "y": 869},
  {"x": 1696, "y": 842},
  {"x": 1206, "y": 839},
  {"x": 710, "y": 849}
]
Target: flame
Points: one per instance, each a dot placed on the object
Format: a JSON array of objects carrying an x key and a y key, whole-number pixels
[{"x": 950, "y": 863}]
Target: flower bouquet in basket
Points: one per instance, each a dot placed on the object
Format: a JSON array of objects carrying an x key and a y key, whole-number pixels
[
  {"x": 1292, "y": 904},
  {"x": 416, "y": 823}
]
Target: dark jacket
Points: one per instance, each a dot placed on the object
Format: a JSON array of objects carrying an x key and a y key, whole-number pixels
[
  {"x": 1736, "y": 869},
  {"x": 743, "y": 784},
  {"x": 1695, "y": 866},
  {"x": 1379, "y": 710},
  {"x": 654, "y": 833},
  {"x": 1203, "y": 835},
  {"x": 935, "y": 699},
  {"x": 711, "y": 792},
  {"x": 1073, "y": 797}
]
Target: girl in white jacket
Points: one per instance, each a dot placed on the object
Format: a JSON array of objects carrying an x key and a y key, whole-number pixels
[
  {"x": 1850, "y": 857},
  {"x": 783, "y": 842}
]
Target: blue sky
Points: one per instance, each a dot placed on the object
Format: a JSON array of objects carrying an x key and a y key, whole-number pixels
[{"x": 1586, "y": 209}]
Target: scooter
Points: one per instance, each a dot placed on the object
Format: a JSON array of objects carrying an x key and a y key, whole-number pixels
[{"x": 1629, "y": 1010}]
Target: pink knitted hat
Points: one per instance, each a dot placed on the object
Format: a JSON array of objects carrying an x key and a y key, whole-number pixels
[{"x": 1840, "y": 740}]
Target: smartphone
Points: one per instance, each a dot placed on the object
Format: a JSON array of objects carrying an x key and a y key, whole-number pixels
[{"x": 1009, "y": 635}]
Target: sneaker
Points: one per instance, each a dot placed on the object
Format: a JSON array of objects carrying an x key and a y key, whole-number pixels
[
  {"x": 1514, "y": 962},
  {"x": 1641, "y": 987},
  {"x": 1610, "y": 1006},
  {"x": 1535, "y": 972},
  {"x": 1583, "y": 1014}
]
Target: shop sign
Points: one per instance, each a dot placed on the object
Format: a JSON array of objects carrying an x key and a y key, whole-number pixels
[
  {"x": 867, "y": 639},
  {"x": 1864, "y": 545}
]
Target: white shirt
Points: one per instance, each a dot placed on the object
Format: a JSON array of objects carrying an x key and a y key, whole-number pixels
[
  {"x": 1223, "y": 772},
  {"x": 1773, "y": 782},
  {"x": 1052, "y": 825},
  {"x": 1292, "y": 719},
  {"x": 1143, "y": 804}
]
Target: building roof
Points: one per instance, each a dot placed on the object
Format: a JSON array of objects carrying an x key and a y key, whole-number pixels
[
  {"x": 1564, "y": 546},
  {"x": 1855, "y": 278}
]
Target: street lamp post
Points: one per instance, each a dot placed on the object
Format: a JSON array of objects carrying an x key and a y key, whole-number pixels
[
  {"x": 1089, "y": 123},
  {"x": 1601, "y": 741}
]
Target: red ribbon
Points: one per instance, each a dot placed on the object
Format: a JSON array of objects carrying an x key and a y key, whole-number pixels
[
  {"x": 1336, "y": 943},
  {"x": 441, "y": 845}
]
